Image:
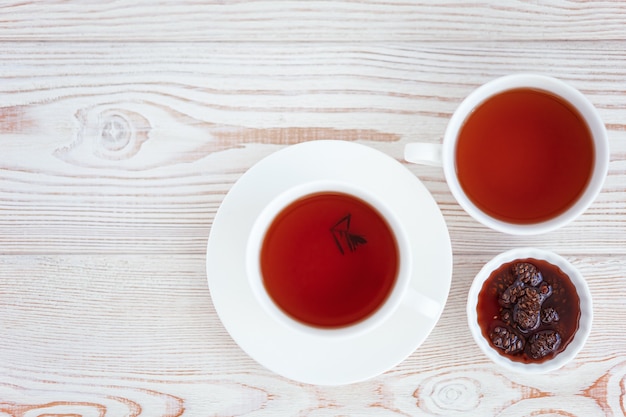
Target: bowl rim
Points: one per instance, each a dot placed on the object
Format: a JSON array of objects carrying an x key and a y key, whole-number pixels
[{"x": 584, "y": 324}]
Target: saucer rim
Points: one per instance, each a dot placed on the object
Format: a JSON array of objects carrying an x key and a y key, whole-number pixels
[{"x": 352, "y": 359}]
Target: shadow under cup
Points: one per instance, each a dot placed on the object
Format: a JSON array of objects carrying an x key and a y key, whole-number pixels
[{"x": 328, "y": 259}]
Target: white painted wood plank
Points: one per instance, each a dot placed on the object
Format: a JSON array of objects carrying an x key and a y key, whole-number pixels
[
  {"x": 138, "y": 334},
  {"x": 128, "y": 149},
  {"x": 304, "y": 21},
  {"x": 124, "y": 124}
]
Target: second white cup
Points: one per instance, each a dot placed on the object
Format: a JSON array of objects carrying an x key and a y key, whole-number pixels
[{"x": 515, "y": 164}]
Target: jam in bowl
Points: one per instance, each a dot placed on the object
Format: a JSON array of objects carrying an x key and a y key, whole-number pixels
[{"x": 530, "y": 310}]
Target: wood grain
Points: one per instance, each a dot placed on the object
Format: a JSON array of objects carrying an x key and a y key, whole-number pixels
[
  {"x": 131, "y": 149},
  {"x": 124, "y": 124},
  {"x": 137, "y": 335},
  {"x": 336, "y": 21}
]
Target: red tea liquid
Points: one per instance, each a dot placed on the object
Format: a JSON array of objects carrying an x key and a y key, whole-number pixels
[
  {"x": 524, "y": 156},
  {"x": 329, "y": 260}
]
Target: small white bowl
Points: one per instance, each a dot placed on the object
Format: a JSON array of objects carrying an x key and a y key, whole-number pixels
[{"x": 584, "y": 324}]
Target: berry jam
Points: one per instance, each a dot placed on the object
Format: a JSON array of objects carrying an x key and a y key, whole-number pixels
[{"x": 528, "y": 310}]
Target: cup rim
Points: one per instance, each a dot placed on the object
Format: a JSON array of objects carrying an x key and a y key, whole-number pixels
[
  {"x": 263, "y": 222},
  {"x": 554, "y": 86},
  {"x": 584, "y": 324}
]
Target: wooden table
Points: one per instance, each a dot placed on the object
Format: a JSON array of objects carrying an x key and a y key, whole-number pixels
[{"x": 124, "y": 124}]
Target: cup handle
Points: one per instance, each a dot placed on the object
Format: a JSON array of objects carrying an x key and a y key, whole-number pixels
[
  {"x": 424, "y": 153},
  {"x": 420, "y": 303}
]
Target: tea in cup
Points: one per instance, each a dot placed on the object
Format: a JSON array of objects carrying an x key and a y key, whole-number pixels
[
  {"x": 523, "y": 154},
  {"x": 330, "y": 259}
]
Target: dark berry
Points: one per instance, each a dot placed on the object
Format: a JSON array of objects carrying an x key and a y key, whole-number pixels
[
  {"x": 527, "y": 311},
  {"x": 527, "y": 273},
  {"x": 507, "y": 340},
  {"x": 543, "y": 343},
  {"x": 511, "y": 294},
  {"x": 549, "y": 316}
]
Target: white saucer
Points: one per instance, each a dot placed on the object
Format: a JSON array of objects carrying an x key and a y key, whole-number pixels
[{"x": 302, "y": 357}]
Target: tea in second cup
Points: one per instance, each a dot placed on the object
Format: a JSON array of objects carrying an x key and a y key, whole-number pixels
[{"x": 523, "y": 154}]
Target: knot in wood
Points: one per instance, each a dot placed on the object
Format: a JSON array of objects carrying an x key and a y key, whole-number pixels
[{"x": 116, "y": 133}]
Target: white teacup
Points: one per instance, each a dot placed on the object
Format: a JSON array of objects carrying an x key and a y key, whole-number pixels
[
  {"x": 401, "y": 292},
  {"x": 445, "y": 154}
]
